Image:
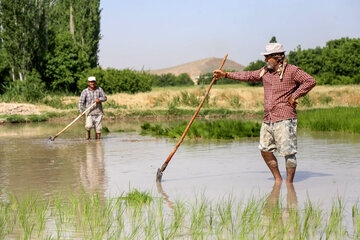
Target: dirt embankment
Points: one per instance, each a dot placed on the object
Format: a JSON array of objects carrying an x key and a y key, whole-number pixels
[{"x": 18, "y": 108}]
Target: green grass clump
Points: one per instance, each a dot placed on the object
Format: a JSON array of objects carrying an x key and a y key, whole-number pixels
[
  {"x": 37, "y": 118},
  {"x": 105, "y": 129},
  {"x": 219, "y": 129},
  {"x": 137, "y": 197},
  {"x": 343, "y": 119},
  {"x": 125, "y": 130},
  {"x": 16, "y": 118}
]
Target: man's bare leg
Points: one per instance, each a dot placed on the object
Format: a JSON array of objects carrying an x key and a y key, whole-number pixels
[
  {"x": 98, "y": 135},
  {"x": 87, "y": 135},
  {"x": 290, "y": 174},
  {"x": 272, "y": 163}
]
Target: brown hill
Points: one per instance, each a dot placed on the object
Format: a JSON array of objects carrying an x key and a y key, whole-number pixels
[{"x": 194, "y": 69}]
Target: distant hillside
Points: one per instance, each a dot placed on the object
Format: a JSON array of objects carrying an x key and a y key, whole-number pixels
[{"x": 194, "y": 69}]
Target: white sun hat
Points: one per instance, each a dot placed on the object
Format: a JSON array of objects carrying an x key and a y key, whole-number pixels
[
  {"x": 272, "y": 48},
  {"x": 92, "y": 79}
]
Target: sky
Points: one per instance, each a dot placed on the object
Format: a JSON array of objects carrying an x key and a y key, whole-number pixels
[{"x": 155, "y": 34}]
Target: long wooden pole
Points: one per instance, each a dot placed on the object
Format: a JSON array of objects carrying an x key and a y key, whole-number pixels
[
  {"x": 53, "y": 138},
  {"x": 163, "y": 167}
]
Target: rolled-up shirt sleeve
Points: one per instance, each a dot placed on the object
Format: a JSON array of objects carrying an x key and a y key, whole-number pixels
[
  {"x": 102, "y": 97},
  {"x": 305, "y": 81}
]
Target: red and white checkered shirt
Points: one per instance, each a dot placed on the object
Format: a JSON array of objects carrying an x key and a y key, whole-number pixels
[{"x": 295, "y": 83}]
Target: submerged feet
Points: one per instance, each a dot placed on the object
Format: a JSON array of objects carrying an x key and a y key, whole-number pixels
[
  {"x": 97, "y": 135},
  {"x": 87, "y": 135},
  {"x": 272, "y": 163}
]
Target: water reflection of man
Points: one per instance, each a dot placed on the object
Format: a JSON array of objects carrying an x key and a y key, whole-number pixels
[
  {"x": 283, "y": 85},
  {"x": 92, "y": 172},
  {"x": 275, "y": 216}
]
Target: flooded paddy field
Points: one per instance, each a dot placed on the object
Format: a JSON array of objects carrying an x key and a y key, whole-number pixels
[{"x": 328, "y": 166}]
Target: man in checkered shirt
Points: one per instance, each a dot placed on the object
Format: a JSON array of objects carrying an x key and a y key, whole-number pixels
[
  {"x": 283, "y": 85},
  {"x": 93, "y": 117}
]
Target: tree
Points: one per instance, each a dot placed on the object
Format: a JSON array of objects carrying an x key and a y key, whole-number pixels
[
  {"x": 65, "y": 62},
  {"x": 81, "y": 18},
  {"x": 273, "y": 39},
  {"x": 336, "y": 63},
  {"x": 255, "y": 65},
  {"x": 24, "y": 34}
]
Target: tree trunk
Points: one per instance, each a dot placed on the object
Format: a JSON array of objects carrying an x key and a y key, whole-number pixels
[
  {"x": 72, "y": 26},
  {"x": 13, "y": 74}
]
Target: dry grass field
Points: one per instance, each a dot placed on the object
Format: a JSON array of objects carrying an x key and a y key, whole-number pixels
[{"x": 235, "y": 97}]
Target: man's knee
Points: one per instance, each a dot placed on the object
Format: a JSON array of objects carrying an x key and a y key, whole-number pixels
[
  {"x": 290, "y": 161},
  {"x": 272, "y": 163},
  {"x": 270, "y": 159}
]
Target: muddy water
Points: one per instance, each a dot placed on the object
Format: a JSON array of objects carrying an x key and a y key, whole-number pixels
[{"x": 328, "y": 165}]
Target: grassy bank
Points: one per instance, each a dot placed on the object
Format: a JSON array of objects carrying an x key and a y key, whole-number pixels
[
  {"x": 219, "y": 129},
  {"x": 138, "y": 215},
  {"x": 342, "y": 119},
  {"x": 223, "y": 101}
]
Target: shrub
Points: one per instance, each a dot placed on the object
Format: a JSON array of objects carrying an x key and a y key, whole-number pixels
[
  {"x": 15, "y": 118},
  {"x": 31, "y": 90},
  {"x": 115, "y": 81},
  {"x": 37, "y": 118},
  {"x": 169, "y": 79}
]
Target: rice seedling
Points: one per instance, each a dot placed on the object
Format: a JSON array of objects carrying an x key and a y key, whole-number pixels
[
  {"x": 138, "y": 215},
  {"x": 37, "y": 118},
  {"x": 356, "y": 220}
]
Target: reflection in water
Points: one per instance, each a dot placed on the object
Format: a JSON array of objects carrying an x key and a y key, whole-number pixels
[
  {"x": 165, "y": 196},
  {"x": 92, "y": 172},
  {"x": 275, "y": 216}
]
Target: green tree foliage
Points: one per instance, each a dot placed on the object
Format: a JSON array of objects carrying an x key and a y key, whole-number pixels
[
  {"x": 74, "y": 31},
  {"x": 336, "y": 63},
  {"x": 65, "y": 62},
  {"x": 23, "y": 34},
  {"x": 170, "y": 79},
  {"x": 116, "y": 81},
  {"x": 57, "y": 40},
  {"x": 253, "y": 66},
  {"x": 30, "y": 90},
  {"x": 80, "y": 18},
  {"x": 273, "y": 40},
  {"x": 4, "y": 70},
  {"x": 205, "y": 79}
]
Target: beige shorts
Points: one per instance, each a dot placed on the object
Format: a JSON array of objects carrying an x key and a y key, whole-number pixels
[
  {"x": 280, "y": 137},
  {"x": 94, "y": 121}
]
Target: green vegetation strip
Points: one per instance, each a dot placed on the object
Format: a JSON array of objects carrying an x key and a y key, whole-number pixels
[
  {"x": 343, "y": 119},
  {"x": 17, "y": 118},
  {"x": 138, "y": 215},
  {"x": 340, "y": 119},
  {"x": 219, "y": 129}
]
